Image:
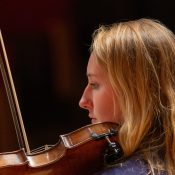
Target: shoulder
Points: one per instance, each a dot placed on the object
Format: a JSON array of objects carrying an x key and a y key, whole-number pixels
[
  {"x": 132, "y": 166},
  {"x": 135, "y": 165}
]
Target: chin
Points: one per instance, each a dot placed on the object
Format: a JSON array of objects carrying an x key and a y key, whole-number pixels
[{"x": 94, "y": 120}]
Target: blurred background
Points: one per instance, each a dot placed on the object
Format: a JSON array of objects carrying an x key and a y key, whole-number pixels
[{"x": 47, "y": 43}]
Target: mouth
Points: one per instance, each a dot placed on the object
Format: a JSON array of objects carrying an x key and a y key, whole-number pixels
[{"x": 93, "y": 120}]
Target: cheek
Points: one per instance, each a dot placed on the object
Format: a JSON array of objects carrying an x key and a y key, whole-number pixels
[
  {"x": 104, "y": 109},
  {"x": 107, "y": 113}
]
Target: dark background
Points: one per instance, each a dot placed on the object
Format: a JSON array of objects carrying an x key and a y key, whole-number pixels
[{"x": 47, "y": 43}]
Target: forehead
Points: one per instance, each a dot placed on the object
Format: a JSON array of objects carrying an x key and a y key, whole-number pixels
[{"x": 94, "y": 69}]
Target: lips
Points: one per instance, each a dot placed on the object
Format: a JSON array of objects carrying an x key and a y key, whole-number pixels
[{"x": 93, "y": 119}]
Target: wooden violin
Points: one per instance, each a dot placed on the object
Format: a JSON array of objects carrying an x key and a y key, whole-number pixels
[{"x": 81, "y": 152}]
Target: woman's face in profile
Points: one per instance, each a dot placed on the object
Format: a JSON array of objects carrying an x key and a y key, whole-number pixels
[{"x": 98, "y": 97}]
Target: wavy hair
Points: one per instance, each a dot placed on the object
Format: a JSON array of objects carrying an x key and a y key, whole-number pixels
[{"x": 139, "y": 57}]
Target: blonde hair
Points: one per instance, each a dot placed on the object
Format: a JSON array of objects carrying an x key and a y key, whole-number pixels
[{"x": 139, "y": 57}]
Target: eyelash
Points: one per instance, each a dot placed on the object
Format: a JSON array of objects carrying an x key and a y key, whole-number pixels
[{"x": 94, "y": 85}]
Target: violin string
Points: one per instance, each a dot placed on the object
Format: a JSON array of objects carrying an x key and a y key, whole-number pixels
[{"x": 14, "y": 96}]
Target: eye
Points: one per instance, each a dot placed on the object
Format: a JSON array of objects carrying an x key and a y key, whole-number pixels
[{"x": 94, "y": 85}]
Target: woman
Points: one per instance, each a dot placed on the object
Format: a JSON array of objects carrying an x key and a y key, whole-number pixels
[{"x": 131, "y": 81}]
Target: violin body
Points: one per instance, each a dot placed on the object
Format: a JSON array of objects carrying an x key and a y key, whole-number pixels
[{"x": 76, "y": 153}]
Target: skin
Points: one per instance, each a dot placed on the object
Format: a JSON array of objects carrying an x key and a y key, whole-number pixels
[{"x": 98, "y": 97}]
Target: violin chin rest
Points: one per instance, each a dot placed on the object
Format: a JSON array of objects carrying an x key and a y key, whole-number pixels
[{"x": 113, "y": 154}]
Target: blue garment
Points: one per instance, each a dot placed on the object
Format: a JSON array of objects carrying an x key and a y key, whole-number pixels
[{"x": 132, "y": 166}]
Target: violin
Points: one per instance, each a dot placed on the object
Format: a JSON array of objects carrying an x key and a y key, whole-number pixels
[
  {"x": 79, "y": 152},
  {"x": 83, "y": 151}
]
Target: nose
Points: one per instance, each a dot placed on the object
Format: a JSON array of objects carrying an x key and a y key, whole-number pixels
[{"x": 85, "y": 101}]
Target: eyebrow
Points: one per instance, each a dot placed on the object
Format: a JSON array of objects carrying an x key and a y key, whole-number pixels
[{"x": 90, "y": 75}]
